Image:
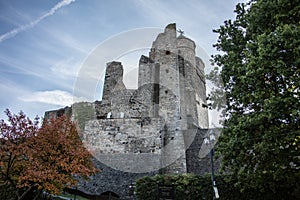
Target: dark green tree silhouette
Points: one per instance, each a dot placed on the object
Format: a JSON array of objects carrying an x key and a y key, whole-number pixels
[{"x": 259, "y": 64}]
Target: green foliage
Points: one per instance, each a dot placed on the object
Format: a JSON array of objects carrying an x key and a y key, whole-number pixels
[
  {"x": 259, "y": 66},
  {"x": 186, "y": 186},
  {"x": 7, "y": 192},
  {"x": 190, "y": 187}
]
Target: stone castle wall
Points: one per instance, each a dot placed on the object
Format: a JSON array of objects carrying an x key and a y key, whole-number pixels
[{"x": 124, "y": 135}]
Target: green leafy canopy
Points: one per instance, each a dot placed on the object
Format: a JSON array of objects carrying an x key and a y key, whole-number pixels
[{"x": 259, "y": 66}]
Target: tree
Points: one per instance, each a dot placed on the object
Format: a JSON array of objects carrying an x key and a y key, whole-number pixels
[
  {"x": 41, "y": 159},
  {"x": 13, "y": 147},
  {"x": 259, "y": 66}
]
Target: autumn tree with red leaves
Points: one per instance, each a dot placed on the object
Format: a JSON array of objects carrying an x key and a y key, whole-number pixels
[{"x": 35, "y": 159}]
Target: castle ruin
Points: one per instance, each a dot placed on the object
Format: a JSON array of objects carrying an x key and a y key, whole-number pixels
[{"x": 157, "y": 128}]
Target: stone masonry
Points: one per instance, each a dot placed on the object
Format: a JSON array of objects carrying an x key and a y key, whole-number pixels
[{"x": 157, "y": 128}]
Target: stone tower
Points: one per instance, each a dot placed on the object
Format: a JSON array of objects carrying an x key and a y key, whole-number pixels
[{"x": 177, "y": 77}]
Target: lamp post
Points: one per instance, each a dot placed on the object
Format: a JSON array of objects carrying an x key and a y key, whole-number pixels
[
  {"x": 75, "y": 193},
  {"x": 132, "y": 189},
  {"x": 209, "y": 141}
]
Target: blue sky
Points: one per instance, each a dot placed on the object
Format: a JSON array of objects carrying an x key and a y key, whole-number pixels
[{"x": 44, "y": 43}]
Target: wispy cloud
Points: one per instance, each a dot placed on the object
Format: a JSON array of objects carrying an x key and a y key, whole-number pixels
[
  {"x": 22, "y": 28},
  {"x": 54, "y": 97},
  {"x": 68, "y": 40},
  {"x": 67, "y": 68}
]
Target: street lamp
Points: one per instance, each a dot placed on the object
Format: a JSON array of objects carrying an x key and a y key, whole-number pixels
[
  {"x": 132, "y": 189},
  {"x": 209, "y": 141}
]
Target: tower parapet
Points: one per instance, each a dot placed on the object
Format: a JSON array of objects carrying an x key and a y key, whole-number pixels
[{"x": 186, "y": 48}]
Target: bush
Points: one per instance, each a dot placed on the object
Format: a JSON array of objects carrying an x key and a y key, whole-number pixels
[
  {"x": 185, "y": 186},
  {"x": 190, "y": 187}
]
